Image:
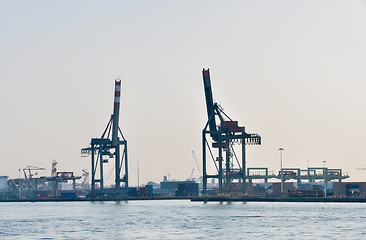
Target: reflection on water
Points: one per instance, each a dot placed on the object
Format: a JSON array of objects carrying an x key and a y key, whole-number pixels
[{"x": 181, "y": 219}]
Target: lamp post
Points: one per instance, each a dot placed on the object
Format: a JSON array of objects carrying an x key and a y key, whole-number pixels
[
  {"x": 20, "y": 186},
  {"x": 281, "y": 149},
  {"x": 308, "y": 169},
  {"x": 138, "y": 173},
  {"x": 325, "y": 180}
]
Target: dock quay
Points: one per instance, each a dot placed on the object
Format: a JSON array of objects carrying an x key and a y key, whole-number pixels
[
  {"x": 281, "y": 199},
  {"x": 106, "y": 199}
]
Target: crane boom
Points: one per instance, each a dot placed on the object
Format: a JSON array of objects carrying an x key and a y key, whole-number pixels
[
  {"x": 117, "y": 97},
  {"x": 30, "y": 169},
  {"x": 209, "y": 102},
  {"x": 195, "y": 159}
]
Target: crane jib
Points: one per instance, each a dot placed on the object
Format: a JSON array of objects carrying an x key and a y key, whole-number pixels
[{"x": 209, "y": 100}]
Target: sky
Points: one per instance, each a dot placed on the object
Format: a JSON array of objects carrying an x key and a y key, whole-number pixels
[{"x": 292, "y": 71}]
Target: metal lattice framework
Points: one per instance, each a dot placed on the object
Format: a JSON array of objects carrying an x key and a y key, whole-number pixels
[
  {"x": 223, "y": 137},
  {"x": 111, "y": 145}
]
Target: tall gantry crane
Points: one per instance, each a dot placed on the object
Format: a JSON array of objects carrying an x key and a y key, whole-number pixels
[
  {"x": 108, "y": 146},
  {"x": 223, "y": 137}
]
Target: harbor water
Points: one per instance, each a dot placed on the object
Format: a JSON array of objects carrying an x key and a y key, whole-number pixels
[{"x": 182, "y": 219}]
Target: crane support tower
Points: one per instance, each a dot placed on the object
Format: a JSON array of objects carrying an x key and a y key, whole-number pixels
[
  {"x": 230, "y": 172},
  {"x": 112, "y": 144}
]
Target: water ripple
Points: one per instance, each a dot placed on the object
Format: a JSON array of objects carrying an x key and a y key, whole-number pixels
[{"x": 181, "y": 220}]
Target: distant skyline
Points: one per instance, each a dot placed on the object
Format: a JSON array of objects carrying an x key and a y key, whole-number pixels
[{"x": 292, "y": 71}]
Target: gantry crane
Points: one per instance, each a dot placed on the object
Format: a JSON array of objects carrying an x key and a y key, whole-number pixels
[
  {"x": 223, "y": 137},
  {"x": 109, "y": 145},
  {"x": 29, "y": 169},
  {"x": 195, "y": 175},
  {"x": 30, "y": 182},
  {"x": 196, "y": 161},
  {"x": 85, "y": 176}
]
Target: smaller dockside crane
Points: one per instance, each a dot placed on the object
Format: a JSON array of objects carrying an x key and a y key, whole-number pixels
[{"x": 30, "y": 170}]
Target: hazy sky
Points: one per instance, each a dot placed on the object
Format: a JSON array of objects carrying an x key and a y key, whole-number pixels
[{"x": 292, "y": 71}]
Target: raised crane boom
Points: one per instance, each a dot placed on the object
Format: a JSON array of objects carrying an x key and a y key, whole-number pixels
[
  {"x": 209, "y": 103},
  {"x": 117, "y": 97},
  {"x": 196, "y": 161}
]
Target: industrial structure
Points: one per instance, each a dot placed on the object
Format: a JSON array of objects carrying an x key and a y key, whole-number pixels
[
  {"x": 311, "y": 174},
  {"x": 195, "y": 175},
  {"x": 223, "y": 137},
  {"x": 109, "y": 146},
  {"x": 50, "y": 187}
]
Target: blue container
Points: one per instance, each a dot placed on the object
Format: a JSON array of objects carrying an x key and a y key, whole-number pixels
[
  {"x": 150, "y": 189},
  {"x": 68, "y": 195}
]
